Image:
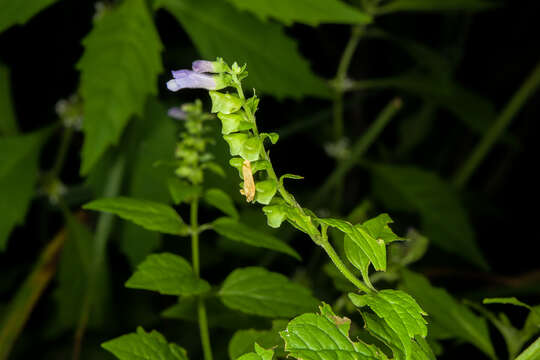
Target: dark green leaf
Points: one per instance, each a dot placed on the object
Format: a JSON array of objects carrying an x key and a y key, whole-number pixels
[
  {"x": 222, "y": 201},
  {"x": 243, "y": 341},
  {"x": 182, "y": 191},
  {"x": 435, "y": 5},
  {"x": 19, "y": 12},
  {"x": 8, "y": 124}
]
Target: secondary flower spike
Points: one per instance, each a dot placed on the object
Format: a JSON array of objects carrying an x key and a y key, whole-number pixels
[
  {"x": 192, "y": 80},
  {"x": 177, "y": 113}
]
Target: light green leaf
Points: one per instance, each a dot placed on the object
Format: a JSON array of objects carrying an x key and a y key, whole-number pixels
[
  {"x": 259, "y": 354},
  {"x": 119, "y": 70},
  {"x": 309, "y": 12},
  {"x": 243, "y": 341},
  {"x": 148, "y": 214},
  {"x": 435, "y": 5},
  {"x": 378, "y": 228},
  {"x": 218, "y": 29},
  {"x": 532, "y": 352},
  {"x": 233, "y": 230},
  {"x": 19, "y": 12},
  {"x": 8, "y": 124},
  {"x": 222, "y": 201},
  {"x": 443, "y": 217},
  {"x": 325, "y": 336},
  {"x": 399, "y": 310},
  {"x": 182, "y": 191},
  {"x": 167, "y": 274},
  {"x": 451, "y": 316},
  {"x": 257, "y": 291},
  {"x": 143, "y": 345}
]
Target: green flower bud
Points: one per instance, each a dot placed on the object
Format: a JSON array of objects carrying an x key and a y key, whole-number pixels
[
  {"x": 234, "y": 122},
  {"x": 236, "y": 142},
  {"x": 265, "y": 191},
  {"x": 225, "y": 103}
]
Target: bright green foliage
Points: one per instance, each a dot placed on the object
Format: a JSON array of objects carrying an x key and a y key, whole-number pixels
[
  {"x": 8, "y": 125},
  {"x": 443, "y": 217},
  {"x": 379, "y": 229},
  {"x": 225, "y": 103},
  {"x": 182, "y": 191},
  {"x": 18, "y": 175},
  {"x": 399, "y": 310},
  {"x": 265, "y": 191},
  {"x": 234, "y": 122},
  {"x": 143, "y": 345},
  {"x": 218, "y": 29},
  {"x": 119, "y": 70},
  {"x": 255, "y": 290},
  {"x": 259, "y": 354},
  {"x": 236, "y": 231},
  {"x": 451, "y": 316},
  {"x": 19, "y": 12},
  {"x": 222, "y": 201},
  {"x": 148, "y": 214},
  {"x": 532, "y": 352},
  {"x": 310, "y": 12},
  {"x": 507, "y": 300},
  {"x": 435, "y": 5},
  {"x": 325, "y": 336},
  {"x": 167, "y": 274},
  {"x": 243, "y": 341}
]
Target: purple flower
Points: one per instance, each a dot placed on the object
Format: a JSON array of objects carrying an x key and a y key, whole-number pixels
[
  {"x": 203, "y": 66},
  {"x": 191, "y": 80},
  {"x": 177, "y": 113}
]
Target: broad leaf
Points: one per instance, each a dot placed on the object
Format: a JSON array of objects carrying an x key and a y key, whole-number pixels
[
  {"x": 435, "y": 5},
  {"x": 243, "y": 341},
  {"x": 310, "y": 12},
  {"x": 443, "y": 217},
  {"x": 143, "y": 345},
  {"x": 8, "y": 125},
  {"x": 222, "y": 201},
  {"x": 451, "y": 316},
  {"x": 236, "y": 231},
  {"x": 324, "y": 336},
  {"x": 218, "y": 29},
  {"x": 119, "y": 70},
  {"x": 399, "y": 310},
  {"x": 148, "y": 214},
  {"x": 19, "y": 12},
  {"x": 167, "y": 274},
  {"x": 257, "y": 291}
]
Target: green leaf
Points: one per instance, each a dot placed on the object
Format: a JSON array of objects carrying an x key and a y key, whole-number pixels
[
  {"x": 443, "y": 217},
  {"x": 148, "y": 214},
  {"x": 532, "y": 352},
  {"x": 225, "y": 103},
  {"x": 19, "y": 12},
  {"x": 218, "y": 29},
  {"x": 18, "y": 176},
  {"x": 257, "y": 291},
  {"x": 167, "y": 274},
  {"x": 243, "y": 341},
  {"x": 399, "y": 310},
  {"x": 231, "y": 123},
  {"x": 507, "y": 300},
  {"x": 182, "y": 191},
  {"x": 312, "y": 12},
  {"x": 435, "y": 5},
  {"x": 451, "y": 316},
  {"x": 324, "y": 336},
  {"x": 143, "y": 345},
  {"x": 222, "y": 201},
  {"x": 233, "y": 230},
  {"x": 8, "y": 124},
  {"x": 119, "y": 70},
  {"x": 378, "y": 228},
  {"x": 259, "y": 354}
]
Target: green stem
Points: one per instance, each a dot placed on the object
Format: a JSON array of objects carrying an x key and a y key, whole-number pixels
[
  {"x": 201, "y": 309},
  {"x": 497, "y": 129},
  {"x": 67, "y": 134}
]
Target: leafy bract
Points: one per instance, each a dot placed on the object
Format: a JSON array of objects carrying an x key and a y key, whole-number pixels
[
  {"x": 310, "y": 12},
  {"x": 19, "y": 12},
  {"x": 8, "y": 125},
  {"x": 222, "y": 201},
  {"x": 218, "y": 29},
  {"x": 451, "y": 316},
  {"x": 443, "y": 217},
  {"x": 435, "y": 5},
  {"x": 148, "y": 214},
  {"x": 167, "y": 274},
  {"x": 255, "y": 290},
  {"x": 119, "y": 70},
  {"x": 144, "y": 345},
  {"x": 234, "y": 230},
  {"x": 243, "y": 341},
  {"x": 324, "y": 336},
  {"x": 399, "y": 310}
]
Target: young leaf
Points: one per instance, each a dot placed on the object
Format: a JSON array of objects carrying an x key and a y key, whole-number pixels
[
  {"x": 243, "y": 341},
  {"x": 233, "y": 230},
  {"x": 19, "y": 12},
  {"x": 143, "y": 345},
  {"x": 307, "y": 12},
  {"x": 435, "y": 5},
  {"x": 218, "y": 29},
  {"x": 399, "y": 310},
  {"x": 324, "y": 336},
  {"x": 259, "y": 354},
  {"x": 443, "y": 217},
  {"x": 378, "y": 228},
  {"x": 8, "y": 125},
  {"x": 119, "y": 70},
  {"x": 167, "y": 274},
  {"x": 455, "y": 318},
  {"x": 257, "y": 291},
  {"x": 148, "y": 214},
  {"x": 222, "y": 201}
]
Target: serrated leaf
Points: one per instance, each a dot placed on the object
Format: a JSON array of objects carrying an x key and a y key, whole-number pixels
[
  {"x": 243, "y": 341},
  {"x": 257, "y": 291},
  {"x": 222, "y": 201},
  {"x": 454, "y": 318},
  {"x": 324, "y": 336},
  {"x": 236, "y": 231},
  {"x": 218, "y": 29},
  {"x": 310, "y": 12},
  {"x": 19, "y": 12},
  {"x": 148, "y": 214},
  {"x": 143, "y": 345},
  {"x": 119, "y": 70},
  {"x": 167, "y": 274},
  {"x": 443, "y": 216},
  {"x": 435, "y": 5},
  {"x": 399, "y": 310},
  {"x": 8, "y": 125}
]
